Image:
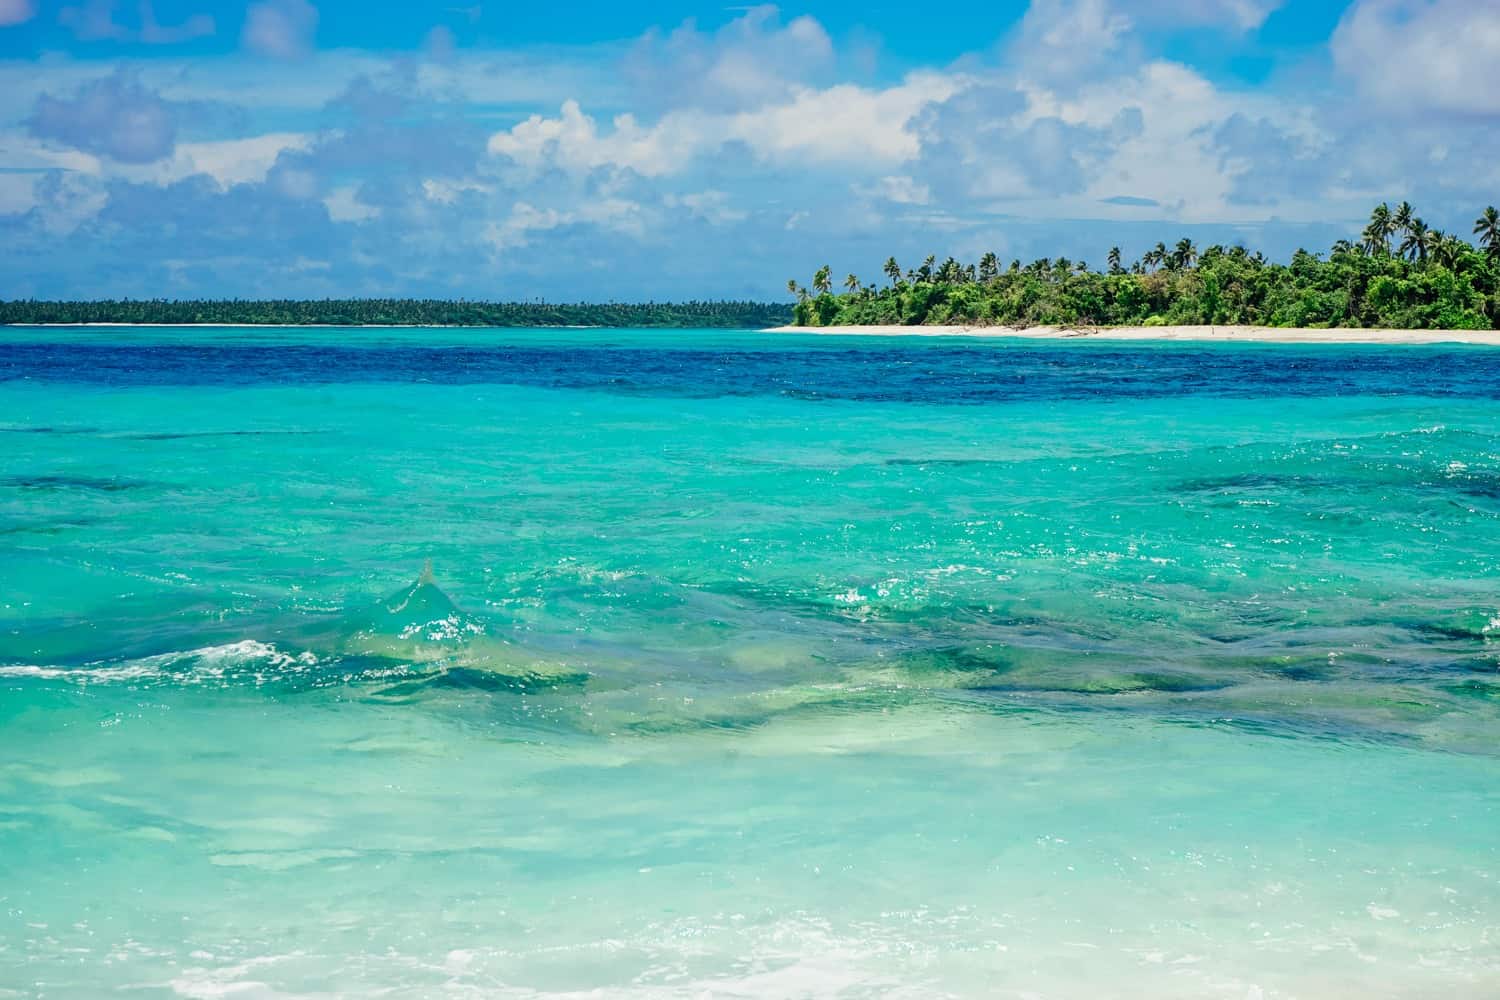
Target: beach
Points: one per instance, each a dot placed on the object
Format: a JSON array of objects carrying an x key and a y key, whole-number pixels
[{"x": 1213, "y": 334}]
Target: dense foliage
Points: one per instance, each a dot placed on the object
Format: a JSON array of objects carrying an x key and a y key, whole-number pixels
[
  {"x": 1399, "y": 275},
  {"x": 399, "y": 312}
]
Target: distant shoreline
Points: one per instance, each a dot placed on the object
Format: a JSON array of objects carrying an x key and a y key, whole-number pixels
[
  {"x": 1208, "y": 334},
  {"x": 1200, "y": 334},
  {"x": 326, "y": 326}
]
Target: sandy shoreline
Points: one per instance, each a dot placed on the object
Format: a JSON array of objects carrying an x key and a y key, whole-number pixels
[{"x": 1213, "y": 334}]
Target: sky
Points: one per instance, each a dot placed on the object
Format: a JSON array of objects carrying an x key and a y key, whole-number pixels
[{"x": 670, "y": 150}]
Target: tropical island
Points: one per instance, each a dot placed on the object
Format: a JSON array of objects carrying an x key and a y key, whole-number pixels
[
  {"x": 393, "y": 312},
  {"x": 1400, "y": 275}
]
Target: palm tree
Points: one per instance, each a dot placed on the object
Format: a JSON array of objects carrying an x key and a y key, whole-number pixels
[
  {"x": 1446, "y": 249},
  {"x": 1403, "y": 218},
  {"x": 1418, "y": 241},
  {"x": 1185, "y": 255},
  {"x": 796, "y": 289},
  {"x": 851, "y": 284},
  {"x": 823, "y": 280},
  {"x": 1487, "y": 228},
  {"x": 1342, "y": 247},
  {"x": 925, "y": 271},
  {"x": 1114, "y": 260},
  {"x": 989, "y": 267},
  {"x": 1377, "y": 234},
  {"x": 892, "y": 270}
]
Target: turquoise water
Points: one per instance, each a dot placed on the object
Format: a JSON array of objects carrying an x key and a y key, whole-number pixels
[{"x": 748, "y": 665}]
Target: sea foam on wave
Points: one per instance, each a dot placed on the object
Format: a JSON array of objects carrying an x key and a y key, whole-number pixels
[{"x": 247, "y": 657}]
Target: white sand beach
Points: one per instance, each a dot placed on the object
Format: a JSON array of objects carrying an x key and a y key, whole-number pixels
[{"x": 1215, "y": 334}]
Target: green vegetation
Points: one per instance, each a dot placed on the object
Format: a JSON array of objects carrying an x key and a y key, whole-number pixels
[
  {"x": 1400, "y": 275},
  {"x": 400, "y": 312}
]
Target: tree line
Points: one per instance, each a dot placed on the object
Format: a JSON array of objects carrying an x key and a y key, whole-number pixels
[
  {"x": 398, "y": 312},
  {"x": 1400, "y": 274}
]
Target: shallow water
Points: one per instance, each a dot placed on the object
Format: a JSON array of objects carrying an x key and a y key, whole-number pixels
[{"x": 749, "y": 666}]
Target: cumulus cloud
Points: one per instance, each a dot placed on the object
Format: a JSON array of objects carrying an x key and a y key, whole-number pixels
[
  {"x": 282, "y": 29},
  {"x": 95, "y": 21},
  {"x": 896, "y": 189},
  {"x": 843, "y": 124},
  {"x": 1241, "y": 15},
  {"x": 16, "y": 12},
  {"x": 226, "y": 161},
  {"x": 55, "y": 203},
  {"x": 1063, "y": 39},
  {"x": 114, "y": 117},
  {"x": 525, "y": 219},
  {"x": 713, "y": 207},
  {"x": 1447, "y": 49},
  {"x": 1063, "y": 42},
  {"x": 1264, "y": 161},
  {"x": 750, "y": 61},
  {"x": 1004, "y": 140},
  {"x": 343, "y": 205}
]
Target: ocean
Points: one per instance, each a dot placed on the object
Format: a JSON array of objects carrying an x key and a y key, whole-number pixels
[{"x": 604, "y": 663}]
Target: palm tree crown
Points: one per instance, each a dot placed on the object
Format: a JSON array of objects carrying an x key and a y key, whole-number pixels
[
  {"x": 823, "y": 280},
  {"x": 1418, "y": 241},
  {"x": 1487, "y": 228}
]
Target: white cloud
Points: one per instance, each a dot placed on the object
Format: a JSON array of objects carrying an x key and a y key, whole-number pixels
[
  {"x": 525, "y": 219},
  {"x": 1057, "y": 39},
  {"x": 227, "y": 161},
  {"x": 712, "y": 207},
  {"x": 238, "y": 161},
  {"x": 844, "y": 124},
  {"x": 1242, "y": 15},
  {"x": 1447, "y": 51},
  {"x": 16, "y": 12},
  {"x": 898, "y": 190},
  {"x": 1148, "y": 134},
  {"x": 572, "y": 142},
  {"x": 64, "y": 201},
  {"x": 282, "y": 29},
  {"x": 750, "y": 61},
  {"x": 343, "y": 205},
  {"x": 21, "y": 152},
  {"x": 1065, "y": 42},
  {"x": 95, "y": 20},
  {"x": 446, "y": 192},
  {"x": 112, "y": 116}
]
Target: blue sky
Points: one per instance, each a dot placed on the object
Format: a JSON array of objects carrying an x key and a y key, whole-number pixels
[{"x": 304, "y": 148}]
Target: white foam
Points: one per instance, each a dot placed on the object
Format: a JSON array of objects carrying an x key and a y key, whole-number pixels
[{"x": 191, "y": 666}]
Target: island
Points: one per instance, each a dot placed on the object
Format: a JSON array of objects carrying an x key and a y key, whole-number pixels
[
  {"x": 1402, "y": 278},
  {"x": 393, "y": 312}
]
